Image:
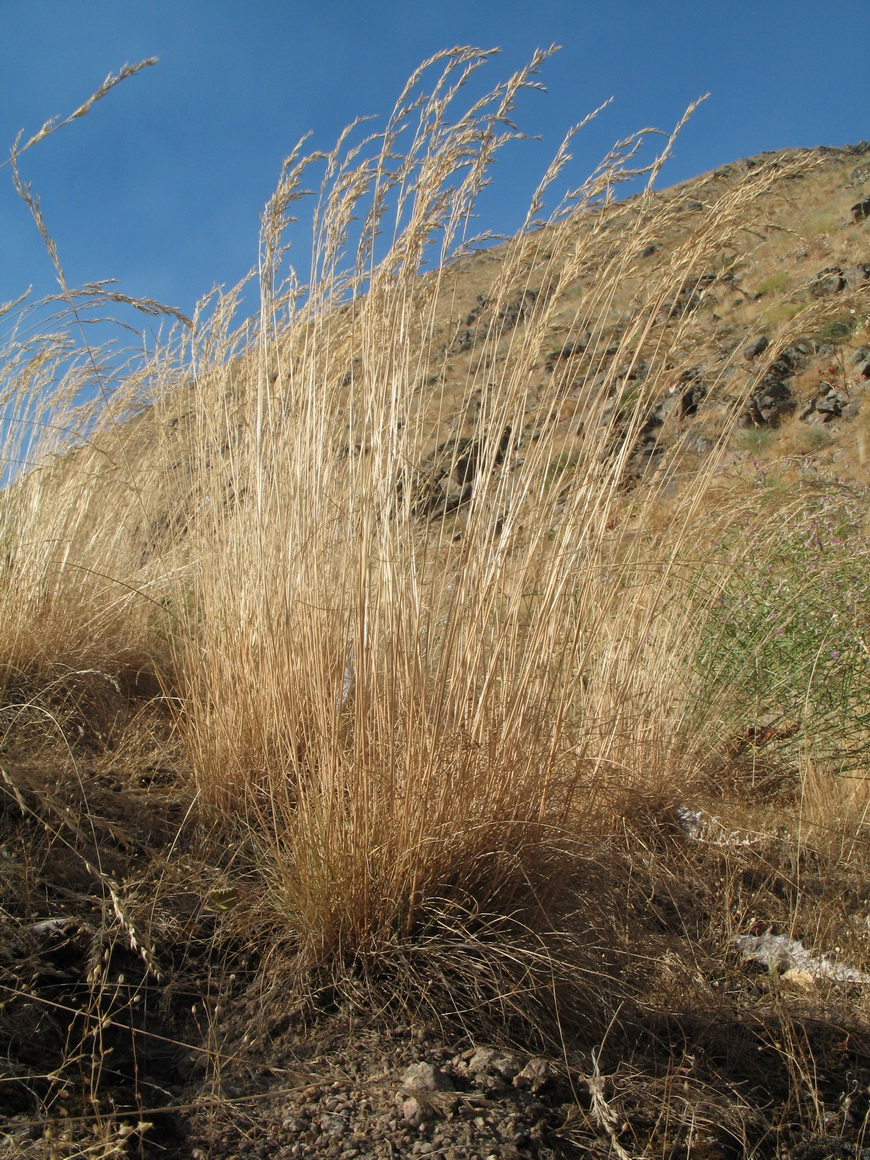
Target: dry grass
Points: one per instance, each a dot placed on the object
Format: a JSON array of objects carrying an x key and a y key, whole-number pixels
[
  {"x": 415, "y": 712},
  {"x": 435, "y": 643}
]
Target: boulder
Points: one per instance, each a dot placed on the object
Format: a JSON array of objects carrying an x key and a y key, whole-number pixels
[
  {"x": 855, "y": 276},
  {"x": 860, "y": 211},
  {"x": 829, "y": 403},
  {"x": 827, "y": 282},
  {"x": 756, "y": 347},
  {"x": 768, "y": 406}
]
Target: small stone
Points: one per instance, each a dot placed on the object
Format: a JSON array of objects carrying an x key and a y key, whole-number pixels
[
  {"x": 535, "y": 1075},
  {"x": 426, "y": 1077},
  {"x": 333, "y": 1125},
  {"x": 800, "y": 978},
  {"x": 488, "y": 1061},
  {"x": 415, "y": 1112},
  {"x": 756, "y": 347}
]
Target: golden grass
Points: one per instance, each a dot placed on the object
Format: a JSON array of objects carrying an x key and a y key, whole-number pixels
[
  {"x": 411, "y": 714},
  {"x": 415, "y": 716}
]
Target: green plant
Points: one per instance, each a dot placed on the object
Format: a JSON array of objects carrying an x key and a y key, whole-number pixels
[
  {"x": 774, "y": 283},
  {"x": 788, "y": 640},
  {"x": 756, "y": 440},
  {"x": 837, "y": 330}
]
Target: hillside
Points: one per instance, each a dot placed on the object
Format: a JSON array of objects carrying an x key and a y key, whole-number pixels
[
  {"x": 801, "y": 253},
  {"x": 433, "y": 717}
]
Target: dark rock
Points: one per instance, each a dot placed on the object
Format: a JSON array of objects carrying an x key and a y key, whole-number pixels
[
  {"x": 827, "y": 282},
  {"x": 756, "y": 347},
  {"x": 861, "y": 355},
  {"x": 658, "y": 414},
  {"x": 483, "y": 321},
  {"x": 773, "y": 402},
  {"x": 860, "y": 211},
  {"x": 825, "y": 1148},
  {"x": 798, "y": 355},
  {"x": 685, "y": 302},
  {"x": 445, "y": 481},
  {"x": 851, "y": 409},
  {"x": 648, "y": 251},
  {"x": 688, "y": 299},
  {"x": 516, "y": 311},
  {"x": 571, "y": 347},
  {"x": 782, "y": 368},
  {"x": 829, "y": 403},
  {"x": 692, "y": 391},
  {"x": 464, "y": 340},
  {"x": 855, "y": 276},
  {"x": 467, "y": 463}
]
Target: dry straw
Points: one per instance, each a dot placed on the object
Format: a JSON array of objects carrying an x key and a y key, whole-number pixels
[
  {"x": 411, "y": 707},
  {"x": 418, "y": 707}
]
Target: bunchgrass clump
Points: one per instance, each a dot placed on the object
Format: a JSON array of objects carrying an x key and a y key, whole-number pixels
[
  {"x": 444, "y": 622},
  {"x": 419, "y": 685}
]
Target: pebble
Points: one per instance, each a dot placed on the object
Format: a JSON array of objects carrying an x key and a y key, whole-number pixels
[{"x": 477, "y": 1104}]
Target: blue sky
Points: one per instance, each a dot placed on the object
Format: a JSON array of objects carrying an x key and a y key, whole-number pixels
[{"x": 161, "y": 186}]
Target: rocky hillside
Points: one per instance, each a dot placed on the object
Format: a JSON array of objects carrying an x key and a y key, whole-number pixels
[{"x": 806, "y": 243}]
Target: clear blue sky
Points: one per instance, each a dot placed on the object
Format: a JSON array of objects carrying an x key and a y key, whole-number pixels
[{"x": 162, "y": 184}]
